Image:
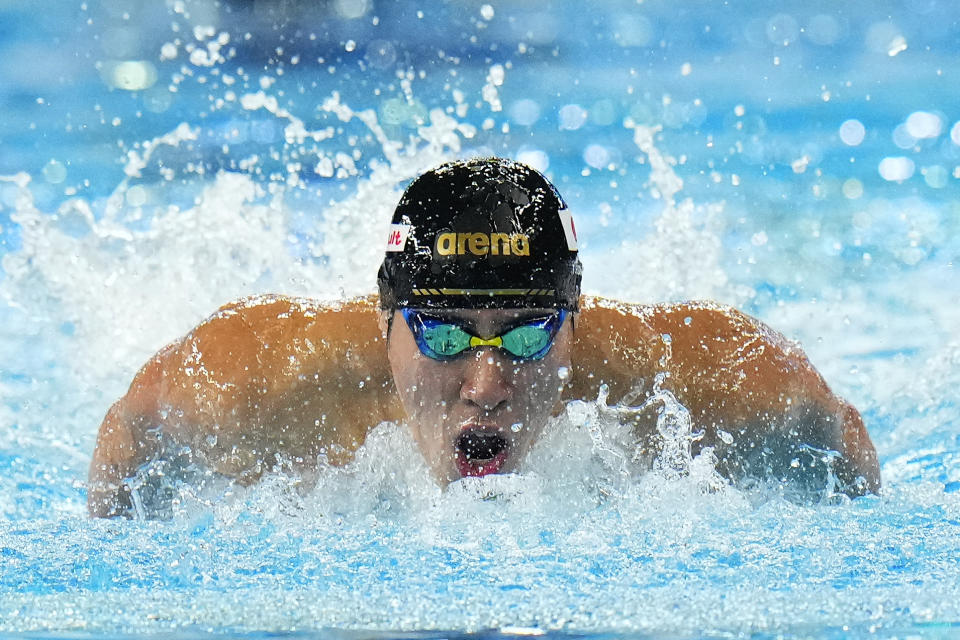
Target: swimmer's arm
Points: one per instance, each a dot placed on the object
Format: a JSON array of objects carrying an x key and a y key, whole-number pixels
[
  {"x": 731, "y": 371},
  {"x": 124, "y": 444},
  {"x": 748, "y": 375},
  {"x": 857, "y": 468},
  {"x": 261, "y": 378},
  {"x": 283, "y": 381}
]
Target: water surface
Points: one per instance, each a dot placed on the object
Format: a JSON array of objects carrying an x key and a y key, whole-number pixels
[{"x": 798, "y": 161}]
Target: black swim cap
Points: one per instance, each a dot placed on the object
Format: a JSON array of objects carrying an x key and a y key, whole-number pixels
[{"x": 481, "y": 234}]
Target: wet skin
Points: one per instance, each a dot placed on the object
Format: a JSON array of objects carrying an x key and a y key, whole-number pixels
[
  {"x": 484, "y": 393},
  {"x": 273, "y": 382}
]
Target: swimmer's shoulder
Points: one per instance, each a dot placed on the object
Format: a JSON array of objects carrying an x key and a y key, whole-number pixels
[
  {"x": 697, "y": 343},
  {"x": 277, "y": 315},
  {"x": 732, "y": 372},
  {"x": 257, "y": 347},
  {"x": 614, "y": 345},
  {"x": 275, "y": 374},
  {"x": 282, "y": 338},
  {"x": 695, "y": 326},
  {"x": 606, "y": 318}
]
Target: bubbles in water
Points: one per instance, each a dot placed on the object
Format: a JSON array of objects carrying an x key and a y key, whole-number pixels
[
  {"x": 885, "y": 38},
  {"x": 935, "y": 176},
  {"x": 782, "y": 29},
  {"x": 633, "y": 30},
  {"x": 168, "y": 51},
  {"x": 129, "y": 75},
  {"x": 137, "y": 196},
  {"x": 490, "y": 94},
  {"x": 923, "y": 124},
  {"x": 352, "y": 9},
  {"x": 597, "y": 156},
  {"x": 571, "y": 117},
  {"x": 54, "y": 172},
  {"x": 896, "y": 168},
  {"x": 536, "y": 158},
  {"x": 897, "y": 45},
  {"x": 381, "y": 54},
  {"x": 603, "y": 112},
  {"x": 902, "y": 138},
  {"x": 852, "y": 132},
  {"x": 525, "y": 112},
  {"x": 852, "y": 189}
]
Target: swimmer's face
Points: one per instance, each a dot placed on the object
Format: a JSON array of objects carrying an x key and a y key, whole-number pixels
[{"x": 480, "y": 412}]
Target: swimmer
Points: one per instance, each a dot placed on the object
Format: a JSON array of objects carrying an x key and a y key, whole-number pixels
[{"x": 478, "y": 336}]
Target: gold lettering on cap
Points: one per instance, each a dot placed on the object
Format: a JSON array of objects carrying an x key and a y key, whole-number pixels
[
  {"x": 447, "y": 244},
  {"x": 481, "y": 244},
  {"x": 499, "y": 244},
  {"x": 520, "y": 244}
]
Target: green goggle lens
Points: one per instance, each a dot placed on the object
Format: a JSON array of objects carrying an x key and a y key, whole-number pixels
[{"x": 441, "y": 339}]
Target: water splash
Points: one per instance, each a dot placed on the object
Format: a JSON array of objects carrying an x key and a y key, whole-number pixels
[
  {"x": 113, "y": 281},
  {"x": 679, "y": 225},
  {"x": 574, "y": 545}
]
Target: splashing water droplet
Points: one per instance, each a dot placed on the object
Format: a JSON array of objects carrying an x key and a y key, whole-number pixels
[{"x": 897, "y": 45}]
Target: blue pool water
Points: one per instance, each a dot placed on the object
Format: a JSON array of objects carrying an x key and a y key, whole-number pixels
[{"x": 800, "y": 160}]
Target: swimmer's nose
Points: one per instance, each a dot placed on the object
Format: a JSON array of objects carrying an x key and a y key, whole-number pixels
[{"x": 485, "y": 382}]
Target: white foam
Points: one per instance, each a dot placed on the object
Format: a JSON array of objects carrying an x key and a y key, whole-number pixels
[
  {"x": 128, "y": 279},
  {"x": 682, "y": 258}
]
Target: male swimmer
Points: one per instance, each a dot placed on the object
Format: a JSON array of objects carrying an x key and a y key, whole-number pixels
[{"x": 478, "y": 336}]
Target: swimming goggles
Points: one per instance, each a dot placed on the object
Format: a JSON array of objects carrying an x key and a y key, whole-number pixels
[{"x": 443, "y": 339}]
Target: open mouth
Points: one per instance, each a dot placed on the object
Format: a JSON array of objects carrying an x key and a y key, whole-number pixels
[{"x": 480, "y": 453}]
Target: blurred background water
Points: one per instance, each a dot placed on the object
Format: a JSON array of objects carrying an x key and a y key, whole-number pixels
[{"x": 797, "y": 159}]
